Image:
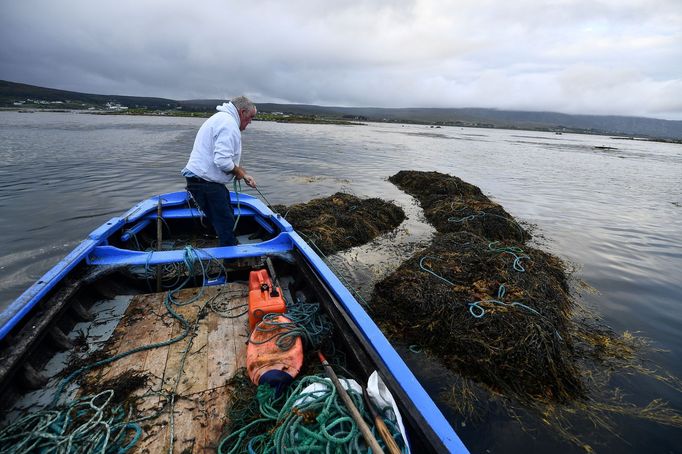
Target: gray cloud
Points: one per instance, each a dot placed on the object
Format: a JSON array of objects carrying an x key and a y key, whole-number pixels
[{"x": 599, "y": 56}]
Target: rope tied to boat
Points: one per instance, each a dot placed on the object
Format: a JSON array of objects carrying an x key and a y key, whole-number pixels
[
  {"x": 237, "y": 186},
  {"x": 311, "y": 242}
]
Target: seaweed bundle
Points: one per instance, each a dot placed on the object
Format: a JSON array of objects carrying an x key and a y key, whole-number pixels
[
  {"x": 494, "y": 309},
  {"x": 465, "y": 302},
  {"x": 498, "y": 312},
  {"x": 452, "y": 205},
  {"x": 342, "y": 221}
]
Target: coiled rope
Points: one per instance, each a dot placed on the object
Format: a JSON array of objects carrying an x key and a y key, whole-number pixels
[
  {"x": 306, "y": 422},
  {"x": 87, "y": 425},
  {"x": 307, "y": 322}
]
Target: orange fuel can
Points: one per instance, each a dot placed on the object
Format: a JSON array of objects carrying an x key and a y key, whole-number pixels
[
  {"x": 264, "y": 297},
  {"x": 268, "y": 363}
]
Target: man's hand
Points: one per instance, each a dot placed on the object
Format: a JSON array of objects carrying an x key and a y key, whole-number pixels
[
  {"x": 238, "y": 173},
  {"x": 248, "y": 179}
]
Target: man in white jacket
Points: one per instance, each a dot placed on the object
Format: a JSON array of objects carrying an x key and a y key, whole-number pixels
[{"x": 214, "y": 162}]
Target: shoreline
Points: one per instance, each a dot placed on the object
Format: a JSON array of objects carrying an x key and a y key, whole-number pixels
[{"x": 301, "y": 119}]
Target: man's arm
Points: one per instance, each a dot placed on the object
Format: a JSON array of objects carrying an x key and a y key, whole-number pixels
[
  {"x": 240, "y": 173},
  {"x": 223, "y": 155}
]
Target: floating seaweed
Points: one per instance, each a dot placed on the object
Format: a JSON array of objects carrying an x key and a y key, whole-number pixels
[
  {"x": 453, "y": 205},
  {"x": 467, "y": 303},
  {"x": 498, "y": 312},
  {"x": 342, "y": 221}
]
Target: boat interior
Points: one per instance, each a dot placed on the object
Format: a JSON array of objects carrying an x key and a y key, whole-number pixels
[{"x": 99, "y": 312}]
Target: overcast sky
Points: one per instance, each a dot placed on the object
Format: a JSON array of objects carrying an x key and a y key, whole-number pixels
[{"x": 576, "y": 56}]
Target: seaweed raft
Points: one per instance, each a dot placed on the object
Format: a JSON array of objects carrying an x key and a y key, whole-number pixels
[
  {"x": 342, "y": 221},
  {"x": 491, "y": 307}
]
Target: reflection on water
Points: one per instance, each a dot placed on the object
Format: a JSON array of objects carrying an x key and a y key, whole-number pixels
[{"x": 614, "y": 214}]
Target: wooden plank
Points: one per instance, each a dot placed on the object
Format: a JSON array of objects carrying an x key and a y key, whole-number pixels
[
  {"x": 188, "y": 432},
  {"x": 240, "y": 330},
  {"x": 227, "y": 340},
  {"x": 194, "y": 374},
  {"x": 216, "y": 414},
  {"x": 131, "y": 332},
  {"x": 198, "y": 424},
  {"x": 176, "y": 351},
  {"x": 218, "y": 349}
]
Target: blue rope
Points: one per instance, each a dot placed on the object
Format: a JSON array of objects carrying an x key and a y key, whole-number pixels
[
  {"x": 474, "y": 308},
  {"x": 477, "y": 311},
  {"x": 421, "y": 265},
  {"x": 480, "y": 214}
]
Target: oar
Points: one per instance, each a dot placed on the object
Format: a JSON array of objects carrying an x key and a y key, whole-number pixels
[
  {"x": 381, "y": 426},
  {"x": 357, "y": 417}
]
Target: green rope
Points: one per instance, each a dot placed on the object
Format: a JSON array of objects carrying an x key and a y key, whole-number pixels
[
  {"x": 480, "y": 214},
  {"x": 266, "y": 201},
  {"x": 475, "y": 308},
  {"x": 314, "y": 323},
  {"x": 236, "y": 191},
  {"x": 89, "y": 424},
  {"x": 285, "y": 333},
  {"x": 514, "y": 251},
  {"x": 306, "y": 322},
  {"x": 308, "y": 422}
]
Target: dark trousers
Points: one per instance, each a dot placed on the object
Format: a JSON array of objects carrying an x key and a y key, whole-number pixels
[{"x": 214, "y": 200}]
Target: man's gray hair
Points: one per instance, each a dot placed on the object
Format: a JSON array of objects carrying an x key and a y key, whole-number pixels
[{"x": 242, "y": 102}]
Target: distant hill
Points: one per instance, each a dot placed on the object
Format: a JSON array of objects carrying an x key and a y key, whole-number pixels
[{"x": 11, "y": 93}]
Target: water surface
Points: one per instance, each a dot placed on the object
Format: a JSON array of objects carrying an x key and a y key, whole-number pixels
[{"x": 614, "y": 214}]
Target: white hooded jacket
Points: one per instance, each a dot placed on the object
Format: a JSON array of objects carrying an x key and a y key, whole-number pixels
[{"x": 217, "y": 147}]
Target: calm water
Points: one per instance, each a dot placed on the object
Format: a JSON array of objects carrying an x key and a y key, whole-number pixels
[{"x": 616, "y": 215}]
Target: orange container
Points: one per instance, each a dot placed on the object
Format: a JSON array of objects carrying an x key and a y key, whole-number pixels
[
  {"x": 262, "y": 299},
  {"x": 265, "y": 359}
]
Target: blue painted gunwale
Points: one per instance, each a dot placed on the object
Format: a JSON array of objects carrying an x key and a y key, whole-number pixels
[{"x": 96, "y": 251}]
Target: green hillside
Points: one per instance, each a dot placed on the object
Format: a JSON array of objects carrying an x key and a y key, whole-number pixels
[{"x": 11, "y": 92}]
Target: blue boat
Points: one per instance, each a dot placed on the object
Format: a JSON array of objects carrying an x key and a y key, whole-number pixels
[{"x": 128, "y": 255}]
